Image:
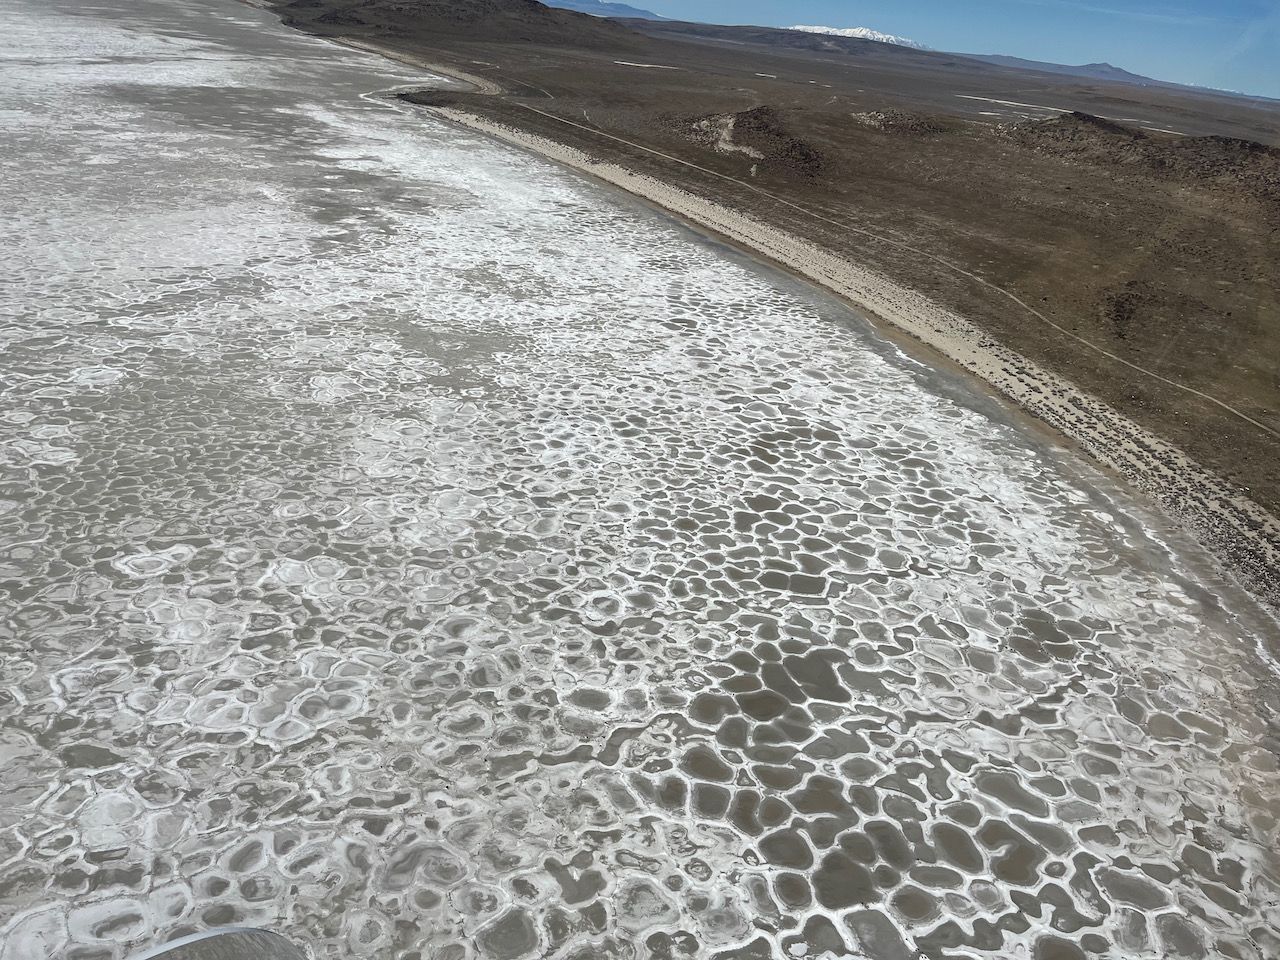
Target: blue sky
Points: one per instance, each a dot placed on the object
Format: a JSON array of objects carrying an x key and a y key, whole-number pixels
[{"x": 1230, "y": 44}]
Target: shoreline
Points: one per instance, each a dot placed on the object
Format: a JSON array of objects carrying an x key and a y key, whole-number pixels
[{"x": 1239, "y": 534}]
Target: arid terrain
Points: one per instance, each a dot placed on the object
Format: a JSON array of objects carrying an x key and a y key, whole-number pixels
[
  {"x": 418, "y": 547},
  {"x": 1124, "y": 237}
]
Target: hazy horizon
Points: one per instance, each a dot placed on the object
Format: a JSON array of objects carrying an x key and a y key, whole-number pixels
[{"x": 1223, "y": 45}]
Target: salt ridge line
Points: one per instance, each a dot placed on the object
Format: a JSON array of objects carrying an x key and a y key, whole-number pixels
[{"x": 645, "y": 66}]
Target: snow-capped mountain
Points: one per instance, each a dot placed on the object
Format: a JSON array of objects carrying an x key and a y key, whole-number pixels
[{"x": 863, "y": 33}]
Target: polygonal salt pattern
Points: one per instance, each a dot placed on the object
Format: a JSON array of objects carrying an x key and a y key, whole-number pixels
[{"x": 415, "y": 550}]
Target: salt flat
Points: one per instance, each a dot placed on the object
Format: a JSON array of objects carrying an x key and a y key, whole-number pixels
[{"x": 419, "y": 551}]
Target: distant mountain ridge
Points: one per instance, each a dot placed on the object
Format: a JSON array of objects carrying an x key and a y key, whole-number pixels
[
  {"x": 603, "y": 8},
  {"x": 495, "y": 20},
  {"x": 1091, "y": 71},
  {"x": 1104, "y": 72}
]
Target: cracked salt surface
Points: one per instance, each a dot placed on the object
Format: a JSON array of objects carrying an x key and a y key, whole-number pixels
[{"x": 415, "y": 550}]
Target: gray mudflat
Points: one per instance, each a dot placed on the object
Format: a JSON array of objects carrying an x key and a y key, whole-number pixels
[
  {"x": 229, "y": 945},
  {"x": 413, "y": 550}
]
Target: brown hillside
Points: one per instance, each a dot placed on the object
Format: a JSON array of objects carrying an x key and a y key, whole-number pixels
[{"x": 427, "y": 20}]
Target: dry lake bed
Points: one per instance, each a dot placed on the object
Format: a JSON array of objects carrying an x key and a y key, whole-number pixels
[{"x": 415, "y": 549}]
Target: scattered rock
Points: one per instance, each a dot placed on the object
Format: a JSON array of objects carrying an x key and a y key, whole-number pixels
[
  {"x": 1222, "y": 161},
  {"x": 760, "y": 134},
  {"x": 896, "y": 121}
]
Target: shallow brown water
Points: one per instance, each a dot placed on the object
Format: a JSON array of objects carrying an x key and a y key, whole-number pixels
[{"x": 417, "y": 551}]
